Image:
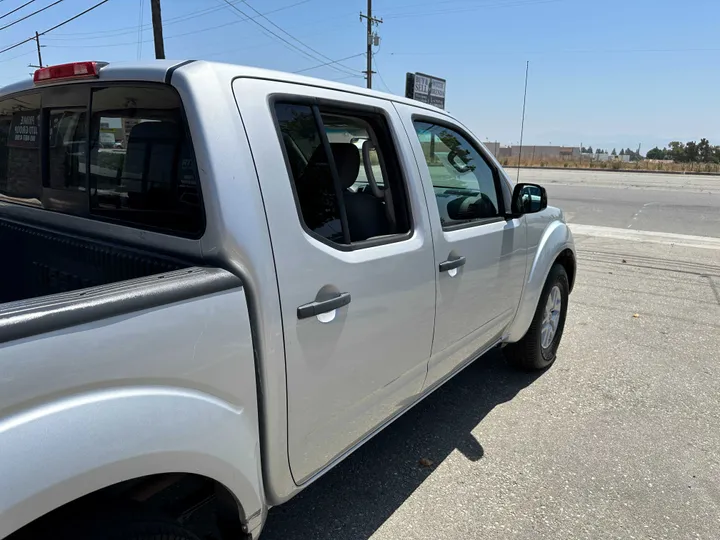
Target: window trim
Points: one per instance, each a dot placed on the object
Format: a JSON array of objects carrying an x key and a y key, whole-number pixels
[
  {"x": 497, "y": 181},
  {"x": 43, "y": 151},
  {"x": 342, "y": 107},
  {"x": 186, "y": 133}
]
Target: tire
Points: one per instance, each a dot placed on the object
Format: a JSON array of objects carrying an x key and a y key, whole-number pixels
[
  {"x": 529, "y": 353},
  {"x": 119, "y": 526}
]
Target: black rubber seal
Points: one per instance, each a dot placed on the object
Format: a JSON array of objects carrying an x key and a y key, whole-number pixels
[{"x": 169, "y": 74}]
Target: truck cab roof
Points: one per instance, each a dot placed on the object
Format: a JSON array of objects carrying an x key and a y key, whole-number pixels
[{"x": 162, "y": 71}]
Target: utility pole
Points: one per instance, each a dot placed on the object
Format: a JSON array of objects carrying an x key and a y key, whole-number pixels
[
  {"x": 372, "y": 38},
  {"x": 37, "y": 39},
  {"x": 157, "y": 29}
]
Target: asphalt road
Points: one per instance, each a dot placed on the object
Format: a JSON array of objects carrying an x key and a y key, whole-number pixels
[
  {"x": 619, "y": 439},
  {"x": 673, "y": 203}
]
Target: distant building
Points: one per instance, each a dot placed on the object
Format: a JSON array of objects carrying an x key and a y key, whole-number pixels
[{"x": 533, "y": 151}]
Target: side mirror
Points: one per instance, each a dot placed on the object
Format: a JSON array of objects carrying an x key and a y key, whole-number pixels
[{"x": 528, "y": 199}]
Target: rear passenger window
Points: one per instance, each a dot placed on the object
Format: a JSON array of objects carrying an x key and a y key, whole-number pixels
[
  {"x": 464, "y": 183},
  {"x": 68, "y": 144},
  {"x": 364, "y": 197},
  {"x": 128, "y": 159},
  {"x": 143, "y": 167},
  {"x": 20, "y": 175}
]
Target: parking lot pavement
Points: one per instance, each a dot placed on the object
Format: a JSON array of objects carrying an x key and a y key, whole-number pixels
[{"x": 619, "y": 439}]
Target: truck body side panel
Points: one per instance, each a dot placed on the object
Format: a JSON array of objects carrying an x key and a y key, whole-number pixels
[
  {"x": 166, "y": 389},
  {"x": 237, "y": 238}
]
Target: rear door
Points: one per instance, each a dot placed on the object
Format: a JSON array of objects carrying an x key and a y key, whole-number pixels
[
  {"x": 353, "y": 256},
  {"x": 481, "y": 253}
]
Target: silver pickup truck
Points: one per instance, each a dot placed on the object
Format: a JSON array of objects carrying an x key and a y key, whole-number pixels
[{"x": 220, "y": 281}]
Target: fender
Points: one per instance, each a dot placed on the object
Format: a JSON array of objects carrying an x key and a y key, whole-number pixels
[
  {"x": 555, "y": 239},
  {"x": 57, "y": 452}
]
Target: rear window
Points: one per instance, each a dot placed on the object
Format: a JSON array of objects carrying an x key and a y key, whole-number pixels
[{"x": 142, "y": 170}]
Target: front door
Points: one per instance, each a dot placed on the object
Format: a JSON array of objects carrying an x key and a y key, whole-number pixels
[
  {"x": 481, "y": 254},
  {"x": 354, "y": 260}
]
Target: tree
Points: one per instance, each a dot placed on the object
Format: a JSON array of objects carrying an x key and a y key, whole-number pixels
[
  {"x": 614, "y": 153},
  {"x": 589, "y": 150},
  {"x": 676, "y": 152},
  {"x": 655, "y": 153},
  {"x": 691, "y": 152},
  {"x": 704, "y": 151},
  {"x": 622, "y": 151}
]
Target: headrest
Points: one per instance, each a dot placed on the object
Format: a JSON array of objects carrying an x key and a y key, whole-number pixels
[
  {"x": 347, "y": 161},
  {"x": 155, "y": 130}
]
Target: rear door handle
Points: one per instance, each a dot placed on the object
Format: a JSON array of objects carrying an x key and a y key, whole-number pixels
[
  {"x": 451, "y": 264},
  {"x": 316, "y": 308}
]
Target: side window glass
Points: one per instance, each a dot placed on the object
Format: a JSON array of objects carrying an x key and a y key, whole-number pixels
[
  {"x": 20, "y": 171},
  {"x": 311, "y": 173},
  {"x": 366, "y": 200},
  {"x": 464, "y": 183},
  {"x": 143, "y": 167},
  {"x": 67, "y": 146}
]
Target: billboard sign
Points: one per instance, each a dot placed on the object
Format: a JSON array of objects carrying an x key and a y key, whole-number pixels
[{"x": 425, "y": 88}]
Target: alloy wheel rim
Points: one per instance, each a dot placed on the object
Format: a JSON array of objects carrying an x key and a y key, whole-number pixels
[{"x": 551, "y": 317}]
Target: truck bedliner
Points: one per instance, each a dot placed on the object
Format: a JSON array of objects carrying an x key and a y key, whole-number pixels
[{"x": 39, "y": 262}]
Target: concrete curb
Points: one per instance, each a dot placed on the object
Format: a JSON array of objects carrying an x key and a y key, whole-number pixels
[
  {"x": 683, "y": 240},
  {"x": 688, "y": 173}
]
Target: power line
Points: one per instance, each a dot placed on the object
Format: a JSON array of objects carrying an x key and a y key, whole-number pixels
[
  {"x": 17, "y": 9},
  {"x": 175, "y": 20},
  {"x": 17, "y": 56},
  {"x": 245, "y": 48},
  {"x": 377, "y": 70},
  {"x": 346, "y": 77},
  {"x": 31, "y": 15},
  {"x": 296, "y": 39},
  {"x": 329, "y": 63},
  {"x": 282, "y": 39},
  {"x": 124, "y": 30},
  {"x": 123, "y": 43},
  {"x": 63, "y": 23}
]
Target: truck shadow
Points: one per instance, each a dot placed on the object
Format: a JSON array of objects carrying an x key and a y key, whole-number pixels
[{"x": 353, "y": 500}]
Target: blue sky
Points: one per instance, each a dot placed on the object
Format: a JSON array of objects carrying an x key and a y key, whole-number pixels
[{"x": 610, "y": 73}]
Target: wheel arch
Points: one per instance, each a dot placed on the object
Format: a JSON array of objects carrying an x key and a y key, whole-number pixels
[
  {"x": 91, "y": 445},
  {"x": 556, "y": 246}
]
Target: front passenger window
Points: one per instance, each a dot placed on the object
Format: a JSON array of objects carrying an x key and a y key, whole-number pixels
[{"x": 464, "y": 183}]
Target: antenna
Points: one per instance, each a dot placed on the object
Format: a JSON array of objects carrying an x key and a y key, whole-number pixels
[{"x": 522, "y": 125}]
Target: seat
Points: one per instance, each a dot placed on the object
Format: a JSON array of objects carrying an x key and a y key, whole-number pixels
[
  {"x": 150, "y": 163},
  {"x": 365, "y": 213}
]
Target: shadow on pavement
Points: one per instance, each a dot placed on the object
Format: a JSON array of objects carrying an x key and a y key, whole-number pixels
[{"x": 353, "y": 500}]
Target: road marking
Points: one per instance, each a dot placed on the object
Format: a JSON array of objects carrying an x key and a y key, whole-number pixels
[
  {"x": 639, "y": 212},
  {"x": 684, "y": 240}
]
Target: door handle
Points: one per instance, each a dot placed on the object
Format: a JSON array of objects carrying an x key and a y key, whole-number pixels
[
  {"x": 451, "y": 264},
  {"x": 316, "y": 308}
]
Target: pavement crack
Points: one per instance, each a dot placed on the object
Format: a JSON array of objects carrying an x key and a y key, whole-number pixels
[{"x": 714, "y": 288}]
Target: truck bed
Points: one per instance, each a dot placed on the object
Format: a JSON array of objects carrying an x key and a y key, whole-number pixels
[{"x": 39, "y": 262}]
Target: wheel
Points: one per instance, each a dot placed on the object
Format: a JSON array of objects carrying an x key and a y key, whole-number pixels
[
  {"x": 120, "y": 526},
  {"x": 538, "y": 347}
]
